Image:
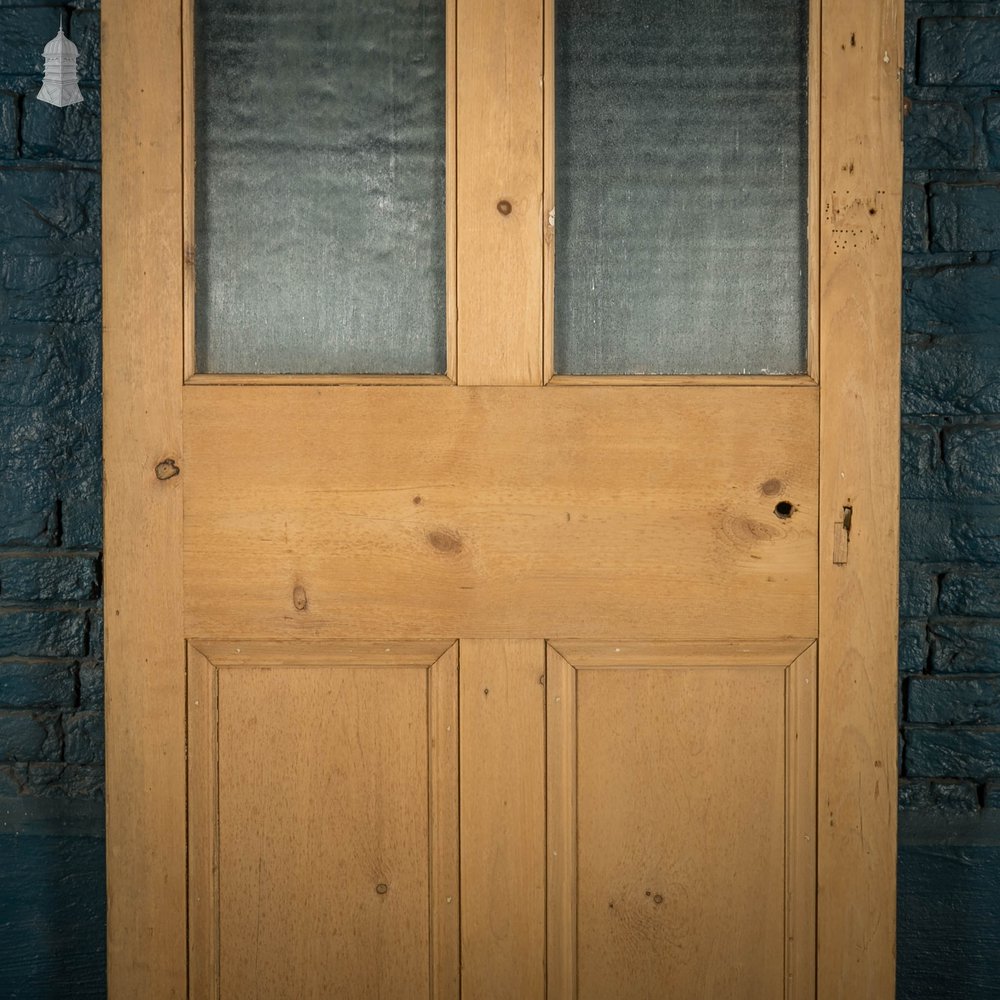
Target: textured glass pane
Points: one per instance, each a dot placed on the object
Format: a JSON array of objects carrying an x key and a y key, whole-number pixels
[
  {"x": 681, "y": 186},
  {"x": 320, "y": 131}
]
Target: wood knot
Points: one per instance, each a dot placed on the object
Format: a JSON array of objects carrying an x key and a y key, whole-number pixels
[
  {"x": 504, "y": 207},
  {"x": 381, "y": 888},
  {"x": 167, "y": 469},
  {"x": 299, "y": 598},
  {"x": 771, "y": 488},
  {"x": 445, "y": 540}
]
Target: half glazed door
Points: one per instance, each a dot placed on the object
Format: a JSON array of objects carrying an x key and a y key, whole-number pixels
[{"x": 501, "y": 499}]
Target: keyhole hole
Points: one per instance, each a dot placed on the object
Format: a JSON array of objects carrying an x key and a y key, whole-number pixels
[{"x": 784, "y": 509}]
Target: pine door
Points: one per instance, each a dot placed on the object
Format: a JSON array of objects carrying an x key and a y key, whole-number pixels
[{"x": 529, "y": 657}]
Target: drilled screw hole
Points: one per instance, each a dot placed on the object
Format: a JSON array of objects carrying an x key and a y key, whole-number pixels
[{"x": 784, "y": 509}]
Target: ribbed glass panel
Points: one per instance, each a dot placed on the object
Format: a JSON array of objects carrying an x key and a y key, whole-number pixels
[
  {"x": 681, "y": 143},
  {"x": 320, "y": 186}
]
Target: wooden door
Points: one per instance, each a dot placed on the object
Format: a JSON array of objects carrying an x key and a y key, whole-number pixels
[{"x": 501, "y": 683}]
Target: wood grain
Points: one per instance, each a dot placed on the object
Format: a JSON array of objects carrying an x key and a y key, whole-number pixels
[
  {"x": 502, "y": 700},
  {"x": 324, "y": 829},
  {"x": 143, "y": 371},
  {"x": 203, "y": 832},
  {"x": 637, "y": 756},
  {"x": 800, "y": 824},
  {"x": 499, "y": 192},
  {"x": 665, "y": 655},
  {"x": 561, "y": 826},
  {"x": 500, "y": 512},
  {"x": 859, "y": 344},
  {"x": 680, "y": 833},
  {"x": 730, "y": 381},
  {"x": 445, "y": 903}
]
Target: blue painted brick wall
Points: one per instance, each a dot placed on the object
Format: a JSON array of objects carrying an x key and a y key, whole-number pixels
[
  {"x": 51, "y": 698},
  {"x": 950, "y": 550},
  {"x": 948, "y": 939},
  {"x": 51, "y": 751}
]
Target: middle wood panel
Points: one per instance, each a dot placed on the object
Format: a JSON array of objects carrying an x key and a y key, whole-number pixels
[{"x": 507, "y": 512}]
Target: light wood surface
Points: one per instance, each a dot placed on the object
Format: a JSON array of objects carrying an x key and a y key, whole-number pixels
[
  {"x": 499, "y": 191},
  {"x": 502, "y": 698},
  {"x": 800, "y": 825},
  {"x": 202, "y": 830},
  {"x": 144, "y": 642},
  {"x": 681, "y": 830},
  {"x": 561, "y": 826},
  {"x": 500, "y": 512},
  {"x": 396, "y": 380},
  {"x": 340, "y": 533},
  {"x": 335, "y": 873},
  {"x": 606, "y": 655},
  {"x": 731, "y": 381},
  {"x": 859, "y": 467}
]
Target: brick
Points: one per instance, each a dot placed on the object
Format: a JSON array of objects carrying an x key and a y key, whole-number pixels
[
  {"x": 915, "y": 220},
  {"x": 991, "y": 127},
  {"x": 84, "y": 738},
  {"x": 24, "y": 32},
  {"x": 72, "y": 133},
  {"x": 34, "y": 370},
  {"x": 921, "y": 468},
  {"x": 91, "y": 684},
  {"x": 9, "y": 122},
  {"x": 28, "y": 736},
  {"x": 943, "y": 532},
  {"x": 938, "y": 136},
  {"x": 917, "y": 590},
  {"x": 939, "y": 796},
  {"x": 85, "y": 28},
  {"x": 29, "y": 504},
  {"x": 965, "y": 217},
  {"x": 913, "y": 647},
  {"x": 954, "y": 700},
  {"x": 991, "y": 795},
  {"x": 13, "y": 780},
  {"x": 82, "y": 510},
  {"x": 969, "y": 647},
  {"x": 65, "y": 578},
  {"x": 972, "y": 458},
  {"x": 54, "y": 780},
  {"x": 48, "y": 286},
  {"x": 951, "y": 374},
  {"x": 959, "y": 50},
  {"x": 95, "y": 637},
  {"x": 37, "y": 685},
  {"x": 42, "y": 633},
  {"x": 963, "y": 300},
  {"x": 970, "y": 593},
  {"x": 44, "y": 202},
  {"x": 956, "y": 752}
]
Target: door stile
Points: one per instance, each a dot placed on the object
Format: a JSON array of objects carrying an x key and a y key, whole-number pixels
[
  {"x": 499, "y": 192},
  {"x": 859, "y": 496},
  {"x": 143, "y": 373},
  {"x": 502, "y": 795}
]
